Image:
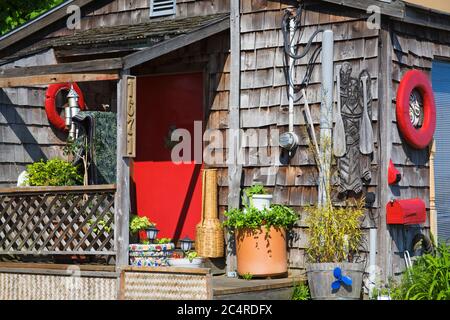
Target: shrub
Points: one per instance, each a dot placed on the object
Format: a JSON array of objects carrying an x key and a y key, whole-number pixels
[
  {"x": 301, "y": 292},
  {"x": 55, "y": 172},
  {"x": 427, "y": 279},
  {"x": 334, "y": 232},
  {"x": 252, "y": 218}
]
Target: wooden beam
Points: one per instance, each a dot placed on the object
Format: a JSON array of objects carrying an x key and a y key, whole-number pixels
[
  {"x": 385, "y": 93},
  {"x": 173, "y": 44},
  {"x": 65, "y": 189},
  {"x": 122, "y": 201},
  {"x": 234, "y": 169},
  {"x": 64, "y": 53},
  {"x": 175, "y": 270},
  {"x": 53, "y": 266},
  {"x": 91, "y": 66},
  {"x": 55, "y": 78},
  {"x": 40, "y": 23},
  {"x": 425, "y": 17},
  {"x": 433, "y": 211},
  {"x": 393, "y": 9}
]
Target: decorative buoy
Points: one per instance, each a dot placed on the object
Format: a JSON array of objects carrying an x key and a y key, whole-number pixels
[
  {"x": 416, "y": 109},
  {"x": 50, "y": 103}
]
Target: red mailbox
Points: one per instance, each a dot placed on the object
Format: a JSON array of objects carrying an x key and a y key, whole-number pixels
[{"x": 408, "y": 211}]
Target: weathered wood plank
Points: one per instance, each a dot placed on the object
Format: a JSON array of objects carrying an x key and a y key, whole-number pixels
[
  {"x": 55, "y": 78},
  {"x": 70, "y": 67},
  {"x": 384, "y": 194}
]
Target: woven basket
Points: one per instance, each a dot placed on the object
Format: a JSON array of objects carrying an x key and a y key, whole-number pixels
[{"x": 209, "y": 242}]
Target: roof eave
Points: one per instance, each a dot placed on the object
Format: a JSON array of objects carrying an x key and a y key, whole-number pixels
[{"x": 39, "y": 23}]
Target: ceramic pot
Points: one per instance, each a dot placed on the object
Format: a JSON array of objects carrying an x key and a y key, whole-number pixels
[
  {"x": 261, "y": 201},
  {"x": 260, "y": 252},
  {"x": 185, "y": 263}
]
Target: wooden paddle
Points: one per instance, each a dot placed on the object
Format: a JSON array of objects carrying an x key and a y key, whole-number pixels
[
  {"x": 365, "y": 131},
  {"x": 339, "y": 143},
  {"x": 311, "y": 124}
]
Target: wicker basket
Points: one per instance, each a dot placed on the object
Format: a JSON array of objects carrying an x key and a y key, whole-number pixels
[{"x": 209, "y": 242}]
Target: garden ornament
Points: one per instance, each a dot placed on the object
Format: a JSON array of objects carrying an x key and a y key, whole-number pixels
[{"x": 340, "y": 279}]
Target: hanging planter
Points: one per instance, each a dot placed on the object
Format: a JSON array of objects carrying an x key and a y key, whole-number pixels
[
  {"x": 416, "y": 110},
  {"x": 50, "y": 103}
]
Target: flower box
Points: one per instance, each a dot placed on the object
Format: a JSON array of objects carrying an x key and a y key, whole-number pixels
[{"x": 150, "y": 255}]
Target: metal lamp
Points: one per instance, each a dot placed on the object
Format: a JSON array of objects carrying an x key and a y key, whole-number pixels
[
  {"x": 152, "y": 232},
  {"x": 186, "y": 244},
  {"x": 72, "y": 110}
]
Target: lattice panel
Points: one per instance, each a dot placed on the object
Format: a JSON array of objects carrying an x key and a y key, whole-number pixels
[{"x": 57, "y": 222}]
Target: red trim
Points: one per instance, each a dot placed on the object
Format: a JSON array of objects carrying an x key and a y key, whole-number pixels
[
  {"x": 417, "y": 138},
  {"x": 50, "y": 106}
]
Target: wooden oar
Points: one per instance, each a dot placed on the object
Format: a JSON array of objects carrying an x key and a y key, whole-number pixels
[
  {"x": 311, "y": 125},
  {"x": 339, "y": 143},
  {"x": 365, "y": 131}
]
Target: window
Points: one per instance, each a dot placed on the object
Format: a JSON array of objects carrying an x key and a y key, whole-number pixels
[
  {"x": 162, "y": 7},
  {"x": 441, "y": 87}
]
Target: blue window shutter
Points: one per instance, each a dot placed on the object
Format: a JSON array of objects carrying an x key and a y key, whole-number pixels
[{"x": 441, "y": 88}]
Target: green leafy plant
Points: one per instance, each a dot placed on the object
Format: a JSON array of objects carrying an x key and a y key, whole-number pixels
[
  {"x": 101, "y": 225},
  {"x": 427, "y": 279},
  {"x": 255, "y": 189},
  {"x": 13, "y": 13},
  {"x": 55, "y": 172},
  {"x": 163, "y": 241},
  {"x": 191, "y": 255},
  {"x": 301, "y": 292},
  {"x": 334, "y": 232},
  {"x": 250, "y": 191},
  {"x": 140, "y": 223},
  {"x": 277, "y": 216},
  {"x": 247, "y": 276}
]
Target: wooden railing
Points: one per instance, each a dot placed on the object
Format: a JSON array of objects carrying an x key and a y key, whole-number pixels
[{"x": 57, "y": 220}]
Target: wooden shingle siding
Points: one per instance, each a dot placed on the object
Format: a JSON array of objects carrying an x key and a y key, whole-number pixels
[
  {"x": 26, "y": 136},
  {"x": 264, "y": 100},
  {"x": 413, "y": 48}
]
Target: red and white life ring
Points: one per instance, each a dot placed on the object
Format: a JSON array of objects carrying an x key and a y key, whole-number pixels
[
  {"x": 50, "y": 106},
  {"x": 418, "y": 138}
]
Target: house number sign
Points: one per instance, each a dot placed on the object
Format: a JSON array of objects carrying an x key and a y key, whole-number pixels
[{"x": 131, "y": 117}]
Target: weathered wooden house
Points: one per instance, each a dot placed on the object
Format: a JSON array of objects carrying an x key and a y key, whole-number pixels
[{"x": 206, "y": 66}]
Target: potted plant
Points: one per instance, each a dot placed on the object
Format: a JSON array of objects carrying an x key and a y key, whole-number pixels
[
  {"x": 145, "y": 253},
  {"x": 261, "y": 246},
  {"x": 334, "y": 240},
  {"x": 257, "y": 196},
  {"x": 188, "y": 260},
  {"x": 142, "y": 226}
]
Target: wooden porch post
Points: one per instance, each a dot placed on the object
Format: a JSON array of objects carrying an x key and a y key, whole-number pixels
[
  {"x": 384, "y": 256},
  {"x": 234, "y": 168},
  {"x": 122, "y": 201}
]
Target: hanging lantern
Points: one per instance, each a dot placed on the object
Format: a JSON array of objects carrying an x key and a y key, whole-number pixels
[{"x": 71, "y": 110}]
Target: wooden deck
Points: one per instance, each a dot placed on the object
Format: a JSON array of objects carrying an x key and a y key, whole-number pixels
[{"x": 225, "y": 288}]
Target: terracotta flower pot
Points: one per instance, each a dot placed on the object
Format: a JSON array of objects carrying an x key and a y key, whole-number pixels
[{"x": 261, "y": 253}]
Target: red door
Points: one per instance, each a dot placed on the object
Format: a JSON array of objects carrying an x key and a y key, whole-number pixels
[{"x": 168, "y": 193}]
